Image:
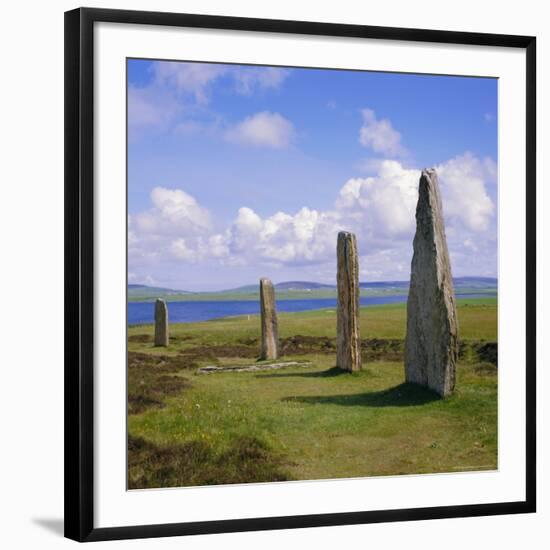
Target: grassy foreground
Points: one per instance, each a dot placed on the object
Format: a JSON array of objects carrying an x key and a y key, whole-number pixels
[{"x": 312, "y": 422}]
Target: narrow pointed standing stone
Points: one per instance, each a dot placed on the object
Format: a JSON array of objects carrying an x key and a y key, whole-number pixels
[
  {"x": 348, "y": 343},
  {"x": 161, "y": 323},
  {"x": 431, "y": 346},
  {"x": 270, "y": 332}
]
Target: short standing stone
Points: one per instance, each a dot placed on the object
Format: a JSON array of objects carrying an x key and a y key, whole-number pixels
[
  {"x": 431, "y": 345},
  {"x": 161, "y": 323},
  {"x": 348, "y": 344},
  {"x": 270, "y": 332}
]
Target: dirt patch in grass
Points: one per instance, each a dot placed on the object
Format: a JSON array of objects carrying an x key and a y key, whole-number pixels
[
  {"x": 301, "y": 345},
  {"x": 246, "y": 460},
  {"x": 151, "y": 378},
  {"x": 140, "y": 338}
]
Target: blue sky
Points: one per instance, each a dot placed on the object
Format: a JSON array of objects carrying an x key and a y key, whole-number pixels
[{"x": 237, "y": 172}]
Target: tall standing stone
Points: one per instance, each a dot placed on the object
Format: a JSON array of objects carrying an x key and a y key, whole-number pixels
[
  {"x": 431, "y": 346},
  {"x": 270, "y": 332},
  {"x": 161, "y": 323},
  {"x": 348, "y": 343}
]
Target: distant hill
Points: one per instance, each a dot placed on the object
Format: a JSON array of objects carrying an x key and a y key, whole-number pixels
[
  {"x": 459, "y": 282},
  {"x": 476, "y": 282},
  {"x": 385, "y": 284},
  {"x": 145, "y": 291},
  {"x": 303, "y": 290},
  {"x": 246, "y": 289},
  {"x": 301, "y": 285},
  {"x": 287, "y": 285}
]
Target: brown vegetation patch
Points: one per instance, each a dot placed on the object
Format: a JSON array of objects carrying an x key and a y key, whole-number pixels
[
  {"x": 140, "y": 338},
  {"x": 148, "y": 338},
  {"x": 372, "y": 349},
  {"x": 211, "y": 353},
  {"x": 380, "y": 349},
  {"x": 385, "y": 349},
  {"x": 246, "y": 460},
  {"x": 249, "y": 341},
  {"x": 478, "y": 351},
  {"x": 182, "y": 338},
  {"x": 299, "y": 345},
  {"x": 486, "y": 369},
  {"x": 488, "y": 351},
  {"x": 151, "y": 378}
]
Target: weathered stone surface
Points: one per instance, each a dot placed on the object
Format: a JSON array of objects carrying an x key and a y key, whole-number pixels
[
  {"x": 161, "y": 323},
  {"x": 211, "y": 369},
  {"x": 270, "y": 332},
  {"x": 348, "y": 344},
  {"x": 431, "y": 346}
]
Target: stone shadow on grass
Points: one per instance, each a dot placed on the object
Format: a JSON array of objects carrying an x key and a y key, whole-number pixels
[
  {"x": 329, "y": 373},
  {"x": 403, "y": 395}
]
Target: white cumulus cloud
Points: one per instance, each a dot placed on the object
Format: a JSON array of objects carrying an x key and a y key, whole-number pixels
[
  {"x": 301, "y": 238},
  {"x": 147, "y": 109},
  {"x": 192, "y": 78},
  {"x": 386, "y": 202},
  {"x": 264, "y": 129},
  {"x": 380, "y": 209},
  {"x": 173, "y": 209},
  {"x": 379, "y": 135},
  {"x": 180, "y": 249},
  {"x": 196, "y": 79},
  {"x": 464, "y": 180},
  {"x": 179, "y": 91},
  {"x": 250, "y": 79}
]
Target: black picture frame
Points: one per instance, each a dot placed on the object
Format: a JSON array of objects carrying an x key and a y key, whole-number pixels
[{"x": 79, "y": 272}]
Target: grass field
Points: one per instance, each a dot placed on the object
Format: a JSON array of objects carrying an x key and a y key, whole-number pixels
[{"x": 312, "y": 422}]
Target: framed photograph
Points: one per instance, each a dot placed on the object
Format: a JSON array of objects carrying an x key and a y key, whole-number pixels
[{"x": 300, "y": 274}]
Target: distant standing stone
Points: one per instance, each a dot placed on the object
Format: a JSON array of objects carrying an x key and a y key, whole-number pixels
[
  {"x": 270, "y": 332},
  {"x": 348, "y": 344},
  {"x": 431, "y": 346},
  {"x": 161, "y": 323}
]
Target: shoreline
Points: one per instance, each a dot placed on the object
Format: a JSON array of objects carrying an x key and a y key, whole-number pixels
[{"x": 477, "y": 299}]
